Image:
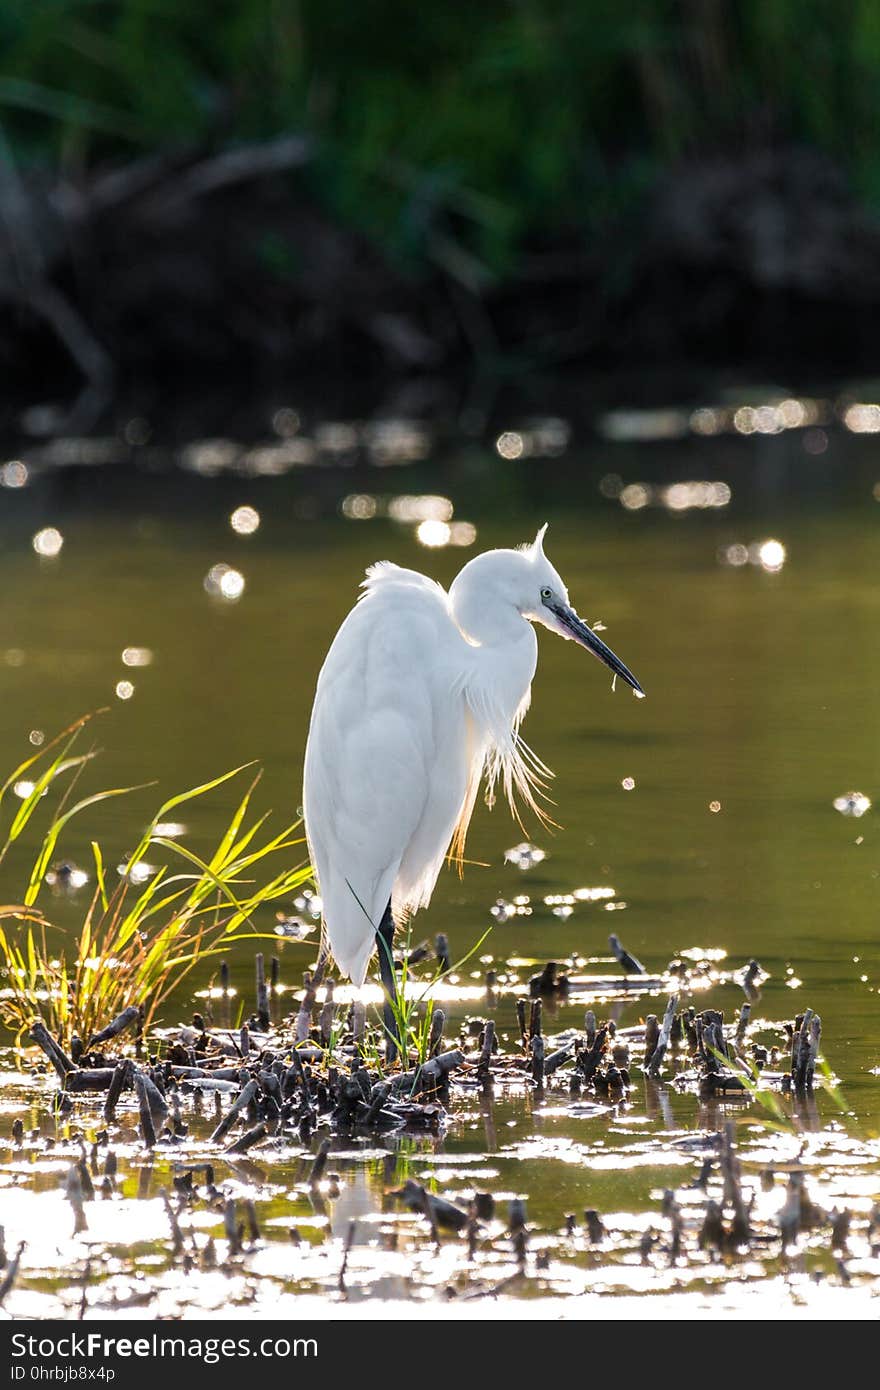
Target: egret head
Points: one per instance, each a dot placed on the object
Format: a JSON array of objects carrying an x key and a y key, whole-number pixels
[
  {"x": 526, "y": 580},
  {"x": 550, "y": 606}
]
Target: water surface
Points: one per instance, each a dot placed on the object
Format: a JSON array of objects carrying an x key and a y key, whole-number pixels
[{"x": 707, "y": 807}]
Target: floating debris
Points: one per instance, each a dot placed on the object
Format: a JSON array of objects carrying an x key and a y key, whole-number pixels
[
  {"x": 66, "y": 878},
  {"x": 292, "y": 927}
]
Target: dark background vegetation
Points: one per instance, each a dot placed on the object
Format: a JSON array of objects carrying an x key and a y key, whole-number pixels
[{"x": 225, "y": 186}]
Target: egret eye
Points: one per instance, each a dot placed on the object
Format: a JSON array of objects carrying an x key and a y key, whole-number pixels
[{"x": 546, "y": 593}]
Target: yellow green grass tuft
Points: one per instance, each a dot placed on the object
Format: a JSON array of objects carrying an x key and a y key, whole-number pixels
[{"x": 138, "y": 941}]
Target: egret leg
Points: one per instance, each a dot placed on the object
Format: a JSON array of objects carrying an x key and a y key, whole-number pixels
[{"x": 385, "y": 942}]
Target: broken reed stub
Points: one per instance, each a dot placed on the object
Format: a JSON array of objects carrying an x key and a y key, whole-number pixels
[
  {"x": 659, "y": 1052},
  {"x": 263, "y": 1019},
  {"x": 248, "y": 1139},
  {"x": 247, "y": 1094},
  {"x": 126, "y": 1019},
  {"x": 148, "y": 1132},
  {"x": 57, "y": 1056},
  {"x": 627, "y": 962}
]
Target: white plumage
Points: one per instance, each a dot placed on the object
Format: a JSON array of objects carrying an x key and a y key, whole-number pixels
[{"x": 421, "y": 694}]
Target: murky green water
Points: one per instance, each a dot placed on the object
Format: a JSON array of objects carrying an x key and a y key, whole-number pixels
[{"x": 762, "y": 709}]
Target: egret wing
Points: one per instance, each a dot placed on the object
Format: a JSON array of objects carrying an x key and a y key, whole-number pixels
[{"x": 386, "y": 762}]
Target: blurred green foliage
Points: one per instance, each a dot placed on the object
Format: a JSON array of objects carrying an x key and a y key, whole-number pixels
[{"x": 501, "y": 122}]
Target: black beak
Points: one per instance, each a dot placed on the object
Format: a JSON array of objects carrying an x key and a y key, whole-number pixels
[{"x": 580, "y": 632}]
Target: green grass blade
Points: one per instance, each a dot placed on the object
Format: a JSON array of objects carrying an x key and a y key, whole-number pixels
[
  {"x": 207, "y": 872},
  {"x": 38, "y": 873},
  {"x": 173, "y": 802},
  {"x": 72, "y": 730},
  {"x": 99, "y": 874},
  {"x": 227, "y": 840}
]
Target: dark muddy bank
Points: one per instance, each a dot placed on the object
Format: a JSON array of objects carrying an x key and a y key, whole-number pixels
[
  {"x": 224, "y": 265},
  {"x": 211, "y": 1169}
]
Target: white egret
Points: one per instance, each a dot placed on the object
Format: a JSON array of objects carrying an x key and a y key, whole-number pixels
[{"x": 422, "y": 693}]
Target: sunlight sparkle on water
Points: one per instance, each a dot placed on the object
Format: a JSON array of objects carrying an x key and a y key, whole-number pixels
[
  {"x": 48, "y": 542},
  {"x": 208, "y": 457},
  {"x": 762, "y": 419},
  {"x": 138, "y": 873},
  {"x": 224, "y": 582},
  {"x": 642, "y": 426},
  {"x": 706, "y": 421},
  {"x": 689, "y": 495},
  {"x": 681, "y": 497},
  {"x": 396, "y": 441},
  {"x": 24, "y": 788},
  {"x": 285, "y": 422},
  {"x": 137, "y": 656},
  {"x": 433, "y": 534},
  {"x": 274, "y": 460},
  {"x": 524, "y": 856},
  {"x": 358, "y": 506},
  {"x": 462, "y": 533},
  {"x": 14, "y": 474},
  {"x": 768, "y": 417},
  {"x": 509, "y": 445},
  {"x": 428, "y": 507},
  {"x": 635, "y": 496},
  {"x": 594, "y": 895},
  {"x": 308, "y": 902},
  {"x": 336, "y": 437},
  {"x": 245, "y": 521},
  {"x": 502, "y": 910},
  {"x": 735, "y": 555},
  {"x": 862, "y": 417},
  {"x": 771, "y": 556},
  {"x": 852, "y": 804}
]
